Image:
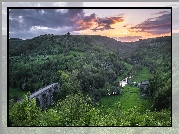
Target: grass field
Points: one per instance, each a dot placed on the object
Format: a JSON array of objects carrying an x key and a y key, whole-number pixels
[
  {"x": 128, "y": 99},
  {"x": 143, "y": 74},
  {"x": 129, "y": 66}
]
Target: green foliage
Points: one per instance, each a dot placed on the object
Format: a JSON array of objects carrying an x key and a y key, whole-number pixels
[
  {"x": 69, "y": 84},
  {"x": 91, "y": 65},
  {"x": 16, "y": 92},
  {"x": 76, "y": 110},
  {"x": 156, "y": 56},
  {"x": 25, "y": 113}
]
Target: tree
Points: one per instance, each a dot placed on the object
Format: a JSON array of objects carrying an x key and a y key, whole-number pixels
[
  {"x": 74, "y": 110},
  {"x": 162, "y": 99},
  {"x": 68, "y": 33},
  {"x": 25, "y": 113},
  {"x": 68, "y": 84},
  {"x": 66, "y": 51}
]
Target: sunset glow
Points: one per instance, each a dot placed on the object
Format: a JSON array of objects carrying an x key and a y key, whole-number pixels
[{"x": 121, "y": 24}]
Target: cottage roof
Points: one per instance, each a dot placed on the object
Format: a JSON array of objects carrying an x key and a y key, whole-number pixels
[{"x": 145, "y": 82}]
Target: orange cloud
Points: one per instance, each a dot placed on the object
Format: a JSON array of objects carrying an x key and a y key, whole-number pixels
[
  {"x": 95, "y": 23},
  {"x": 105, "y": 23}
]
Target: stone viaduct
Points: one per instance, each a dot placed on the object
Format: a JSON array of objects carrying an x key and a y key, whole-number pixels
[{"x": 44, "y": 96}]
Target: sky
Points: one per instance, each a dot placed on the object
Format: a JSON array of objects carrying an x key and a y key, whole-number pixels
[{"x": 121, "y": 24}]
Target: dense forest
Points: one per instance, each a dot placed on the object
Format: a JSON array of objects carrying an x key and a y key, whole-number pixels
[{"x": 89, "y": 69}]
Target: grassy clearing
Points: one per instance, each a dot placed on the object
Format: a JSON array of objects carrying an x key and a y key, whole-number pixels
[
  {"x": 129, "y": 66},
  {"x": 16, "y": 91},
  {"x": 108, "y": 102},
  {"x": 143, "y": 74},
  {"x": 129, "y": 98}
]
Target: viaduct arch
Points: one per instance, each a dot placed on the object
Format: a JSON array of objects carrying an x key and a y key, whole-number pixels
[{"x": 44, "y": 96}]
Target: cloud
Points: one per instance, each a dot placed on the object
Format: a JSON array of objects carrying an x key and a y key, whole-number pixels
[
  {"x": 155, "y": 26},
  {"x": 36, "y": 31},
  {"x": 84, "y": 22},
  {"x": 105, "y": 23},
  {"x": 26, "y": 18},
  {"x": 73, "y": 19},
  {"x": 32, "y": 4}
]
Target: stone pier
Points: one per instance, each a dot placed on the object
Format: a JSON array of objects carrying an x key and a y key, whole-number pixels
[{"x": 44, "y": 96}]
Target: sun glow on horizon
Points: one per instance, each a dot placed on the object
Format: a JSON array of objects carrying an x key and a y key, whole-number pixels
[{"x": 125, "y": 32}]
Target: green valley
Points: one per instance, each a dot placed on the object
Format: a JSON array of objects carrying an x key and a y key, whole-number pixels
[{"x": 89, "y": 70}]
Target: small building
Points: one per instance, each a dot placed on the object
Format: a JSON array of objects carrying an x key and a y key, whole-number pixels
[
  {"x": 143, "y": 86},
  {"x": 145, "y": 82}
]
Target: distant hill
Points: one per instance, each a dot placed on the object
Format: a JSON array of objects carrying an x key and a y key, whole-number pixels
[{"x": 84, "y": 42}]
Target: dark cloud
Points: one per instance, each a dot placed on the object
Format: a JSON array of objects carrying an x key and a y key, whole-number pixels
[
  {"x": 156, "y": 26},
  {"x": 31, "y": 4},
  {"x": 84, "y": 22},
  {"x": 26, "y": 19}
]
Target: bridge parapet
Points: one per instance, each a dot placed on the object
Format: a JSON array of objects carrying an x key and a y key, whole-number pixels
[
  {"x": 41, "y": 90},
  {"x": 44, "y": 96}
]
